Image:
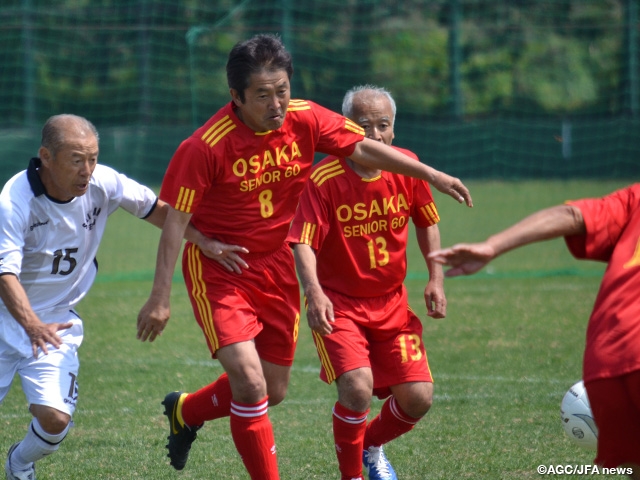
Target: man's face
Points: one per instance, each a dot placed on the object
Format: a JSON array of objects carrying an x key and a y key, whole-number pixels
[
  {"x": 375, "y": 115},
  {"x": 68, "y": 174},
  {"x": 265, "y": 100}
]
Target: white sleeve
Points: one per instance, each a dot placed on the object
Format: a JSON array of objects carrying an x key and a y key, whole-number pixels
[
  {"x": 124, "y": 192},
  {"x": 12, "y": 227}
]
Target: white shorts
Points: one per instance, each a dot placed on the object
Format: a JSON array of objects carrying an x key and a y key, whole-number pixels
[{"x": 49, "y": 380}]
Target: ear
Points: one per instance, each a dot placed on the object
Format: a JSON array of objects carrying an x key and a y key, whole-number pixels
[
  {"x": 45, "y": 155},
  {"x": 235, "y": 97}
]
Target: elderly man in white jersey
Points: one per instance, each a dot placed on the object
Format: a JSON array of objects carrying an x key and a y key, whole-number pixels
[{"x": 52, "y": 218}]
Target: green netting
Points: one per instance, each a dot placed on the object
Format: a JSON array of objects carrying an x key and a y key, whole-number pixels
[{"x": 485, "y": 88}]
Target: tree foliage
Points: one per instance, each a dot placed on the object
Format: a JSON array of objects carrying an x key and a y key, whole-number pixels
[{"x": 161, "y": 62}]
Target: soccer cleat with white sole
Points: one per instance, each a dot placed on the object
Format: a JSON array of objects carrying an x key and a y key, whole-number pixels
[
  {"x": 29, "y": 474},
  {"x": 376, "y": 464}
]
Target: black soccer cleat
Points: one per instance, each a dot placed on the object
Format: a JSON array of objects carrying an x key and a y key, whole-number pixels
[{"x": 181, "y": 436}]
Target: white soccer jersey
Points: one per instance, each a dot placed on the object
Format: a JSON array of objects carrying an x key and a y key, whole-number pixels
[{"x": 51, "y": 246}]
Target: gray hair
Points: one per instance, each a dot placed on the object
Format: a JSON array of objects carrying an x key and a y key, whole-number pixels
[
  {"x": 347, "y": 102},
  {"x": 54, "y": 129}
]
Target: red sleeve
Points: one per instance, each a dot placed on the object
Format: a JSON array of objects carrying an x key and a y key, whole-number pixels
[
  {"x": 188, "y": 176},
  {"x": 337, "y": 135},
  {"x": 310, "y": 223},
  {"x": 605, "y": 219},
  {"x": 424, "y": 211},
  {"x": 423, "y": 208}
]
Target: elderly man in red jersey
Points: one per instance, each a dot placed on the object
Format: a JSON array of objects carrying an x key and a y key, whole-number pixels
[
  {"x": 238, "y": 179},
  {"x": 349, "y": 237}
]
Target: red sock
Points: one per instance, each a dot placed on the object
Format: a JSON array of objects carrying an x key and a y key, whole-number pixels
[
  {"x": 348, "y": 434},
  {"x": 253, "y": 435},
  {"x": 390, "y": 423},
  {"x": 208, "y": 403}
]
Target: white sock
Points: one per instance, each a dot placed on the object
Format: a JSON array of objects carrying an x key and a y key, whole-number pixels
[{"x": 36, "y": 444}]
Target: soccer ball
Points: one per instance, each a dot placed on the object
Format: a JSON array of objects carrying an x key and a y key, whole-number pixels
[{"x": 577, "y": 419}]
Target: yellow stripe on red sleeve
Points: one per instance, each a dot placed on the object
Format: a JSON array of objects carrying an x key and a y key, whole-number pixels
[
  {"x": 297, "y": 105},
  {"x": 430, "y": 212},
  {"x": 353, "y": 127},
  {"x": 218, "y": 130},
  {"x": 324, "y": 173},
  {"x": 185, "y": 200},
  {"x": 308, "y": 231}
]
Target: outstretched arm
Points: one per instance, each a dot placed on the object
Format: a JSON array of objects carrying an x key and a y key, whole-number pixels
[
  {"x": 468, "y": 258},
  {"x": 377, "y": 155}
]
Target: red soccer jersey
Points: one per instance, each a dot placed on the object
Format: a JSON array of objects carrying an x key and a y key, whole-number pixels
[
  {"x": 242, "y": 186},
  {"x": 359, "y": 227},
  {"x": 613, "y": 236}
]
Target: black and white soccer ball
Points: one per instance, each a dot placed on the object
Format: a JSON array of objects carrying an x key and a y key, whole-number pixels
[{"x": 577, "y": 418}]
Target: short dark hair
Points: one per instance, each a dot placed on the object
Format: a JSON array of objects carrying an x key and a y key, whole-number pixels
[{"x": 260, "y": 52}]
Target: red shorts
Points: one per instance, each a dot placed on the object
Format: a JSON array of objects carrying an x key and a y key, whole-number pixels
[
  {"x": 615, "y": 403},
  {"x": 379, "y": 332},
  {"x": 261, "y": 304}
]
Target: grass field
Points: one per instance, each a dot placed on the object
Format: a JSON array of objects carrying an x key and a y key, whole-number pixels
[{"x": 510, "y": 347}]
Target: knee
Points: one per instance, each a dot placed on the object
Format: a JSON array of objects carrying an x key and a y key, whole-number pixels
[
  {"x": 423, "y": 405},
  {"x": 276, "y": 394},
  {"x": 356, "y": 400},
  {"x": 250, "y": 390},
  {"x": 277, "y": 378},
  {"x": 51, "y": 420},
  {"x": 418, "y": 403},
  {"x": 416, "y": 407},
  {"x": 355, "y": 390}
]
